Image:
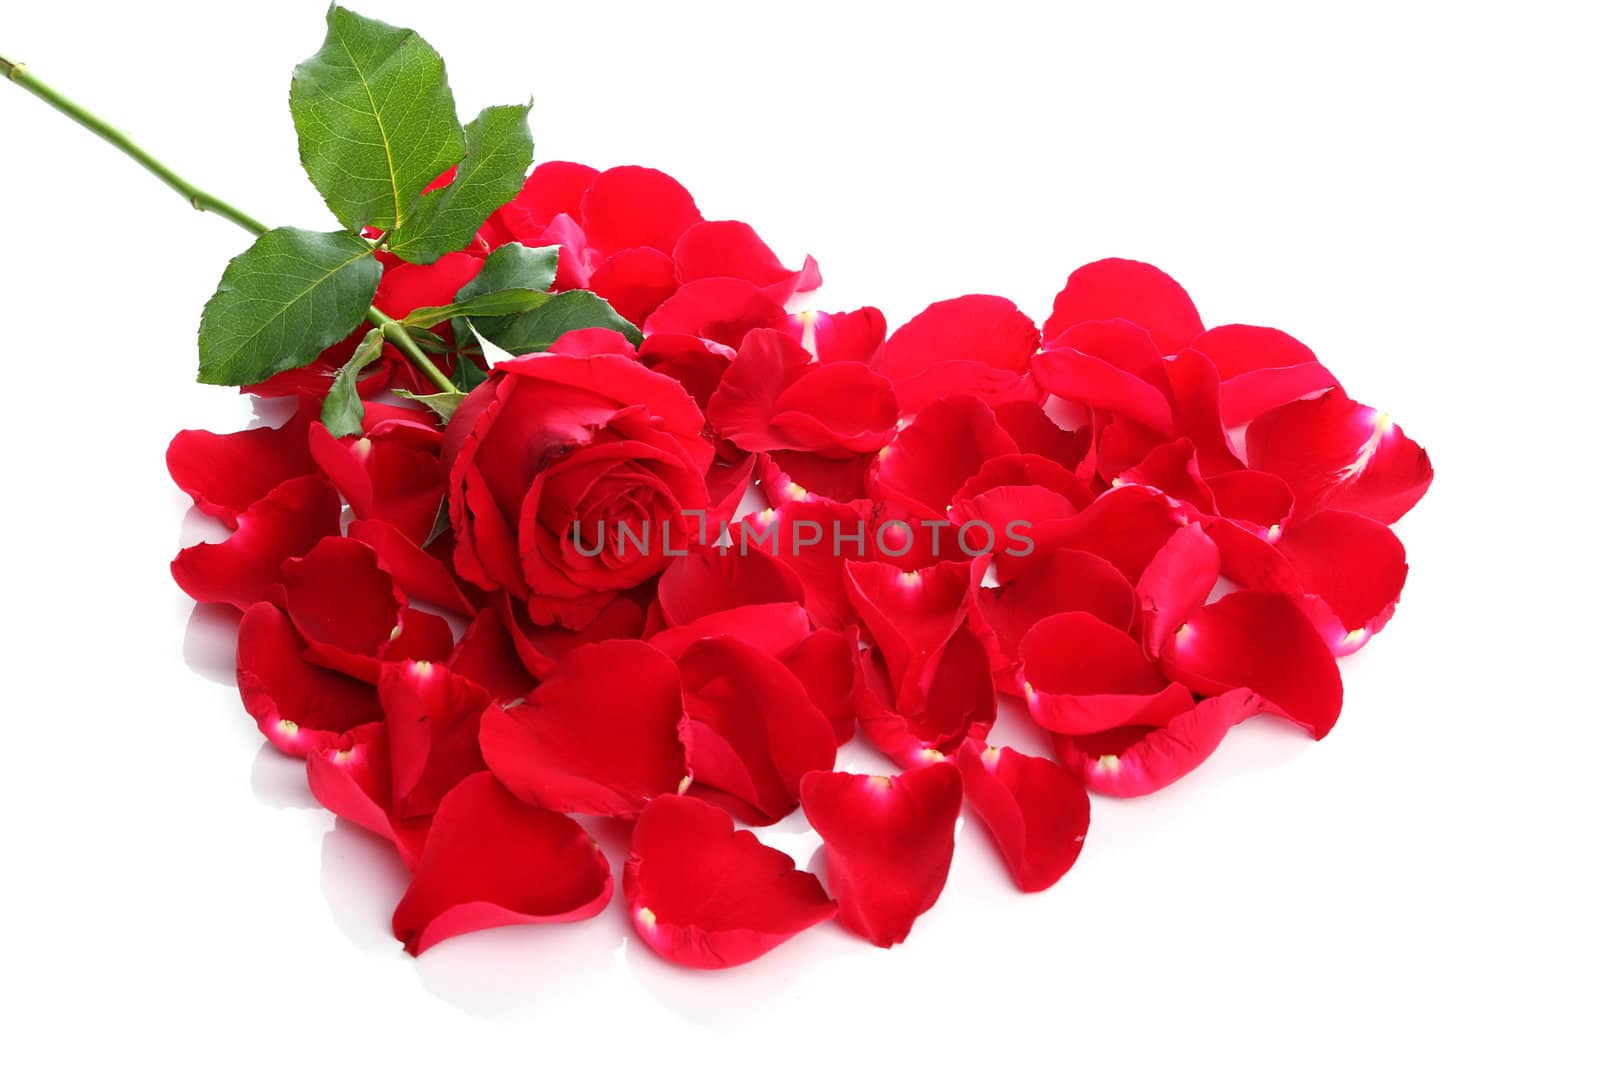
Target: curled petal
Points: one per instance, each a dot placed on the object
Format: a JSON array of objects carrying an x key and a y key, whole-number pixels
[
  {"x": 1256, "y": 498},
  {"x": 555, "y": 187},
  {"x": 887, "y": 843},
  {"x": 432, "y": 715},
  {"x": 773, "y": 397},
  {"x": 1176, "y": 583},
  {"x": 729, "y": 249},
  {"x": 296, "y": 704},
  {"x": 814, "y": 538},
  {"x": 226, "y": 473},
  {"x": 634, "y": 282},
  {"x": 1338, "y": 454},
  {"x": 1196, "y": 411},
  {"x": 841, "y": 335},
  {"x": 286, "y": 522},
  {"x": 828, "y": 664},
  {"x": 911, "y": 615},
  {"x": 704, "y": 583},
  {"x": 1060, "y": 581},
  {"x": 600, "y": 736},
  {"x": 1036, "y": 811},
  {"x": 349, "y": 776},
  {"x": 419, "y": 573},
  {"x": 1356, "y": 565},
  {"x": 929, "y": 716},
  {"x": 1173, "y": 468},
  {"x": 702, "y": 894},
  {"x": 752, "y": 730},
  {"x": 773, "y": 628},
  {"x": 1126, "y": 289},
  {"x": 636, "y": 207},
  {"x": 1132, "y": 761},
  {"x": 787, "y": 476},
  {"x": 719, "y": 310},
  {"x": 384, "y": 477},
  {"x": 344, "y": 604},
  {"x": 1260, "y": 641},
  {"x": 542, "y": 647},
  {"x": 487, "y": 655},
  {"x": 491, "y": 860},
  {"x": 972, "y": 345},
  {"x": 1097, "y": 383},
  {"x": 1083, "y": 676},
  {"x": 1260, "y": 368},
  {"x": 1126, "y": 527},
  {"x": 948, "y": 442}
]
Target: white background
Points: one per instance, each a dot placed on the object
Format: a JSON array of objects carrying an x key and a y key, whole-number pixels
[{"x": 1408, "y": 188}]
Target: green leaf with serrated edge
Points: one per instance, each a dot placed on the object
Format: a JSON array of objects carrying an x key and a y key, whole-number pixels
[
  {"x": 485, "y": 305},
  {"x": 375, "y": 119},
  {"x": 537, "y": 330},
  {"x": 342, "y": 409},
  {"x": 443, "y": 404},
  {"x": 499, "y": 152},
  {"x": 282, "y": 301},
  {"x": 514, "y": 266}
]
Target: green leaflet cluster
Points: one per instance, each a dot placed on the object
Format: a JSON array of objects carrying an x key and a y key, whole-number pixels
[{"x": 377, "y": 124}]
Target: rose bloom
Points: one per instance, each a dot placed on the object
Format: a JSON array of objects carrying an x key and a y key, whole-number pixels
[{"x": 553, "y": 444}]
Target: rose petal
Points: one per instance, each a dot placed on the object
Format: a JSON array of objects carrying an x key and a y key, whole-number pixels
[
  {"x": 1059, "y": 581},
  {"x": 297, "y": 705},
  {"x": 286, "y": 522},
  {"x": 634, "y": 282},
  {"x": 728, "y": 249},
  {"x": 972, "y": 345},
  {"x": 600, "y": 736},
  {"x": 947, "y": 443},
  {"x": 1338, "y": 454},
  {"x": 226, "y": 473},
  {"x": 432, "y": 715},
  {"x": 887, "y": 843},
  {"x": 1083, "y": 676},
  {"x": 753, "y": 731},
  {"x": 1176, "y": 583},
  {"x": 1260, "y": 641},
  {"x": 1036, "y": 811},
  {"x": 491, "y": 860},
  {"x": 487, "y": 656},
  {"x": 705, "y": 582},
  {"x": 1133, "y": 761},
  {"x": 1260, "y": 368},
  {"x": 842, "y": 335},
  {"x": 636, "y": 207},
  {"x": 344, "y": 604},
  {"x": 702, "y": 894},
  {"x": 1126, "y": 289}
]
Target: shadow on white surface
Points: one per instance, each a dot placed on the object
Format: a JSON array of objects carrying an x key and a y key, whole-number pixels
[
  {"x": 211, "y": 643},
  {"x": 279, "y": 781},
  {"x": 362, "y": 879}
]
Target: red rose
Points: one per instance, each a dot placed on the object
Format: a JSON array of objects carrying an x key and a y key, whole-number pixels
[{"x": 573, "y": 478}]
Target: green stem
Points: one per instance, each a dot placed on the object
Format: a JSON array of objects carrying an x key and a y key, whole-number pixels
[
  {"x": 202, "y": 200},
  {"x": 400, "y": 337},
  {"x": 198, "y": 198}
]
